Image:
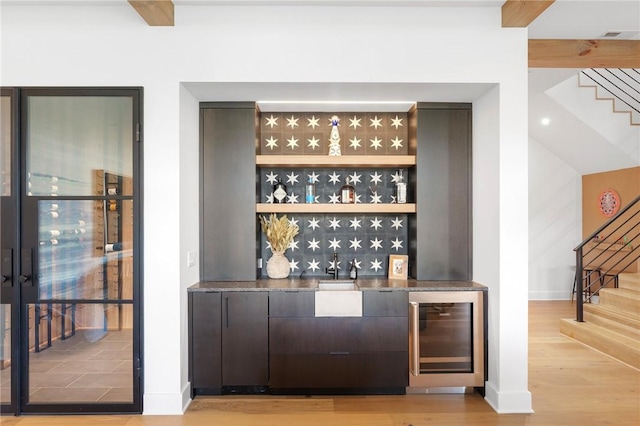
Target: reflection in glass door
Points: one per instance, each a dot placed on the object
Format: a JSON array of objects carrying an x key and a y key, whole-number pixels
[
  {"x": 8, "y": 238},
  {"x": 78, "y": 251}
]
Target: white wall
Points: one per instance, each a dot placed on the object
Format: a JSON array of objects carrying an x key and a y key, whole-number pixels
[
  {"x": 110, "y": 45},
  {"x": 555, "y": 224}
]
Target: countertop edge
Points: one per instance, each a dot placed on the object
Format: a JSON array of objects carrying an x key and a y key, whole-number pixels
[{"x": 311, "y": 284}]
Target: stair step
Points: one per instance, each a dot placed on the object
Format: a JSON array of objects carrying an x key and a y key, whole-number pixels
[
  {"x": 614, "y": 344},
  {"x": 620, "y": 299},
  {"x": 623, "y": 323},
  {"x": 629, "y": 281}
]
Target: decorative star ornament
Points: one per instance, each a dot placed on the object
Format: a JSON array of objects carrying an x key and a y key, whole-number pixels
[
  {"x": 355, "y": 122},
  {"x": 270, "y": 198},
  {"x": 355, "y": 223},
  {"x": 354, "y": 178},
  {"x": 272, "y": 121},
  {"x": 313, "y": 265},
  {"x": 376, "y": 244},
  {"x": 358, "y": 199},
  {"x": 292, "y": 198},
  {"x": 396, "y": 143},
  {"x": 376, "y": 264},
  {"x": 396, "y": 223},
  {"x": 272, "y": 142},
  {"x": 334, "y": 244},
  {"x": 313, "y": 223},
  {"x": 293, "y": 245},
  {"x": 334, "y": 223},
  {"x": 376, "y": 143},
  {"x": 376, "y": 223},
  {"x": 292, "y": 142},
  {"x": 293, "y": 264},
  {"x": 375, "y": 198},
  {"x": 314, "y": 244},
  {"x": 354, "y": 142},
  {"x": 272, "y": 178},
  {"x": 395, "y": 178},
  {"x": 396, "y": 122},
  {"x": 292, "y": 122},
  {"x": 313, "y": 122},
  {"x": 376, "y": 178},
  {"x": 396, "y": 244},
  {"x": 292, "y": 178},
  {"x": 334, "y": 178},
  {"x": 314, "y": 177},
  {"x": 375, "y": 122},
  {"x": 313, "y": 143},
  {"x": 355, "y": 243},
  {"x": 357, "y": 263},
  {"x": 334, "y": 198}
]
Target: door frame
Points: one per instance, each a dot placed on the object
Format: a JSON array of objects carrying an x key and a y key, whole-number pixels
[{"x": 19, "y": 310}]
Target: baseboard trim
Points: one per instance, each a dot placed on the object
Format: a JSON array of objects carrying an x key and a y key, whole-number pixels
[
  {"x": 550, "y": 295},
  {"x": 164, "y": 404},
  {"x": 508, "y": 402}
]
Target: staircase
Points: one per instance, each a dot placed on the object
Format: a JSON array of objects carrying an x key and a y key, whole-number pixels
[
  {"x": 612, "y": 326},
  {"x": 619, "y": 86}
]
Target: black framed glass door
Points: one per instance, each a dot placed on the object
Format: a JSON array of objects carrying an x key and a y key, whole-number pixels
[
  {"x": 79, "y": 251},
  {"x": 8, "y": 242}
]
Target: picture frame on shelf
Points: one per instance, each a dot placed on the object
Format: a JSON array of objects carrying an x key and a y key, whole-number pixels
[{"x": 398, "y": 266}]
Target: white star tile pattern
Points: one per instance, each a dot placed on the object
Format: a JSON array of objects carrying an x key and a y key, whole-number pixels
[
  {"x": 286, "y": 133},
  {"x": 364, "y": 239}
]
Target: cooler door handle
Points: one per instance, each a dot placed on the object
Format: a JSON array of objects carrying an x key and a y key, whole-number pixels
[{"x": 414, "y": 339}]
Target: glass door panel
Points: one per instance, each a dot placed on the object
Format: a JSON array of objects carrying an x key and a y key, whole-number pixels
[
  {"x": 85, "y": 249},
  {"x": 7, "y": 245},
  {"x": 79, "y": 212},
  {"x": 73, "y": 137},
  {"x": 92, "y": 365}
]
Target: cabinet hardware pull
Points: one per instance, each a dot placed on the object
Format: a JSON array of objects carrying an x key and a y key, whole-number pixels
[
  {"x": 414, "y": 344},
  {"x": 226, "y": 306},
  {"x": 339, "y": 353}
]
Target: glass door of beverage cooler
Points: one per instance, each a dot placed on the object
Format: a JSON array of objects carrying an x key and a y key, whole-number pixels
[
  {"x": 78, "y": 251},
  {"x": 446, "y": 343}
]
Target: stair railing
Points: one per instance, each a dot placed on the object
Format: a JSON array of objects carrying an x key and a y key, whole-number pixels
[
  {"x": 609, "y": 250},
  {"x": 622, "y": 84}
]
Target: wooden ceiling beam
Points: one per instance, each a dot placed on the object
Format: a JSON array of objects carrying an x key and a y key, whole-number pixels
[
  {"x": 560, "y": 53},
  {"x": 157, "y": 13},
  {"x": 520, "y": 13}
]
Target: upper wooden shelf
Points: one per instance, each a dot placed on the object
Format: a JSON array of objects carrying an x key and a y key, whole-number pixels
[
  {"x": 335, "y": 208},
  {"x": 341, "y": 161}
]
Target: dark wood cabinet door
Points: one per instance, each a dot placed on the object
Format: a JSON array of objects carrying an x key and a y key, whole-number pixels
[
  {"x": 245, "y": 339},
  {"x": 205, "y": 336},
  {"x": 385, "y": 303},
  {"x": 289, "y": 304},
  {"x": 443, "y": 199},
  {"x": 228, "y": 221}
]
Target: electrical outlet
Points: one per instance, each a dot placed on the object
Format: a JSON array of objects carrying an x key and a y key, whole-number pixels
[{"x": 191, "y": 259}]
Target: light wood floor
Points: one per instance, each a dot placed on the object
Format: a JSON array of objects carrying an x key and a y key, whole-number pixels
[{"x": 571, "y": 385}]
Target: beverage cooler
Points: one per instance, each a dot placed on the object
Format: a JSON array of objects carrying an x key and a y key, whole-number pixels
[{"x": 447, "y": 345}]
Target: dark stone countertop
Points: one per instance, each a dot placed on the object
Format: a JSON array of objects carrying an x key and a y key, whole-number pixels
[{"x": 311, "y": 284}]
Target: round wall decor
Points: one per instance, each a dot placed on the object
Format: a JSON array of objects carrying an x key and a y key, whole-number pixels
[{"x": 609, "y": 202}]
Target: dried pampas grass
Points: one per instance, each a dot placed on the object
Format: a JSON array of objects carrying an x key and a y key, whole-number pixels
[{"x": 279, "y": 232}]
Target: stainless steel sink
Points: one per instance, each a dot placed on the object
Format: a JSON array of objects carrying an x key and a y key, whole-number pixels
[{"x": 337, "y": 285}]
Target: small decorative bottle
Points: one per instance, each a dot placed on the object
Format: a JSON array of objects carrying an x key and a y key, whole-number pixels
[
  {"x": 353, "y": 270},
  {"x": 401, "y": 190},
  {"x": 310, "y": 192},
  {"x": 279, "y": 192},
  {"x": 347, "y": 193}
]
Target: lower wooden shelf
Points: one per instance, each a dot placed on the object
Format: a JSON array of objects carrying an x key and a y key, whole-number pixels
[{"x": 335, "y": 208}]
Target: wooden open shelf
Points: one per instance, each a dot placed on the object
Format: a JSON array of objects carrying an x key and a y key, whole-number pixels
[
  {"x": 386, "y": 161},
  {"x": 335, "y": 208}
]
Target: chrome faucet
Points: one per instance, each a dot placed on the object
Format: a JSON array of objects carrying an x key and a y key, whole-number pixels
[{"x": 334, "y": 269}]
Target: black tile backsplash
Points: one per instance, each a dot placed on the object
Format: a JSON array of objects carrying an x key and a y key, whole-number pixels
[{"x": 368, "y": 239}]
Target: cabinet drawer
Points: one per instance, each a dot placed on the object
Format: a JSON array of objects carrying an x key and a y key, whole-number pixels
[
  {"x": 292, "y": 304},
  {"x": 378, "y": 370},
  {"x": 324, "y": 335},
  {"x": 385, "y": 303}
]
